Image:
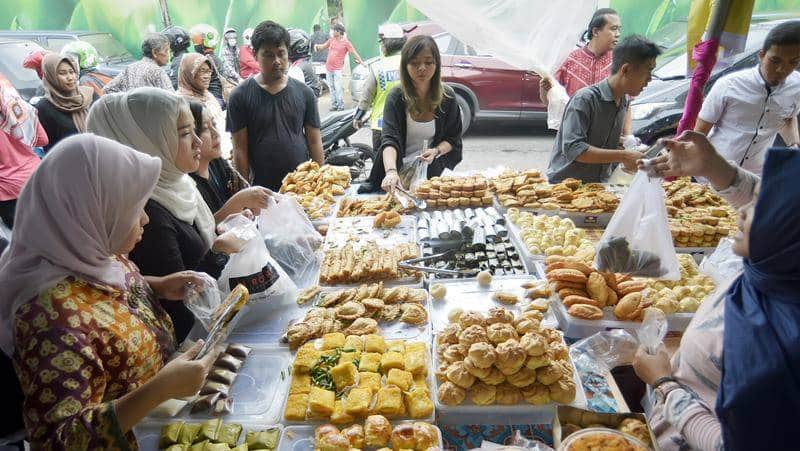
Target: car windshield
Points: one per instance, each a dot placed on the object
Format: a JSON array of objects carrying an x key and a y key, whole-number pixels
[
  {"x": 672, "y": 63},
  {"x": 107, "y": 46},
  {"x": 11, "y": 57}
]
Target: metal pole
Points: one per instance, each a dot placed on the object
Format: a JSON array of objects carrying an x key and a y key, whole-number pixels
[
  {"x": 718, "y": 17},
  {"x": 164, "y": 13}
]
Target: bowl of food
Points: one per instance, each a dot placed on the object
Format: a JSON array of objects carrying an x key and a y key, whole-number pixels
[{"x": 601, "y": 439}]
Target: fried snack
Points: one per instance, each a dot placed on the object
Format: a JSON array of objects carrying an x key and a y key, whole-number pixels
[
  {"x": 552, "y": 236},
  {"x": 507, "y": 394},
  {"x": 506, "y": 298},
  {"x": 499, "y": 315},
  {"x": 314, "y": 187},
  {"x": 459, "y": 375},
  {"x": 501, "y": 332},
  {"x": 484, "y": 278},
  {"x": 693, "y": 286},
  {"x": 533, "y": 344},
  {"x": 698, "y": 216},
  {"x": 413, "y": 314},
  {"x": 350, "y": 207},
  {"x": 563, "y": 391},
  {"x": 585, "y": 311},
  {"x": 455, "y": 192},
  {"x": 522, "y": 378},
  {"x": 472, "y": 334},
  {"x": 367, "y": 263},
  {"x": 471, "y": 318},
  {"x": 386, "y": 220},
  {"x": 597, "y": 288},
  {"x": 571, "y": 300},
  {"x": 631, "y": 307},
  {"x": 308, "y": 294},
  {"x": 632, "y": 286},
  {"x": 530, "y": 190},
  {"x": 438, "y": 291},
  {"x": 482, "y": 394},
  {"x": 377, "y": 431},
  {"x": 479, "y": 373},
  {"x": 482, "y": 355},
  {"x": 564, "y": 293},
  {"x": 451, "y": 394},
  {"x": 567, "y": 275}
]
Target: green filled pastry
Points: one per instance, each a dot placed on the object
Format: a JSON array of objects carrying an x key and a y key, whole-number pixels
[
  {"x": 210, "y": 430},
  {"x": 216, "y": 447},
  {"x": 230, "y": 433},
  {"x": 189, "y": 433},
  {"x": 178, "y": 447},
  {"x": 170, "y": 434},
  {"x": 267, "y": 439},
  {"x": 200, "y": 446}
]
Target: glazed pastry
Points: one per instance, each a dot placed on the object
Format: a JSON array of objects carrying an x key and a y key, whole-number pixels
[
  {"x": 472, "y": 334},
  {"x": 500, "y": 332},
  {"x": 474, "y": 370},
  {"x": 458, "y": 374},
  {"x": 482, "y": 354},
  {"x": 482, "y": 394},
  {"x": 403, "y": 437},
  {"x": 377, "y": 431},
  {"x": 451, "y": 394},
  {"x": 508, "y": 395}
]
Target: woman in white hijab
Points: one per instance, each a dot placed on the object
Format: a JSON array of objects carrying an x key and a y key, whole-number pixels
[
  {"x": 180, "y": 235},
  {"x": 68, "y": 290}
]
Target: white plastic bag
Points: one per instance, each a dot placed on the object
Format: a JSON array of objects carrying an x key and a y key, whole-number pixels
[
  {"x": 413, "y": 174},
  {"x": 254, "y": 268},
  {"x": 557, "y": 99},
  {"x": 203, "y": 300},
  {"x": 291, "y": 239},
  {"x": 637, "y": 240}
]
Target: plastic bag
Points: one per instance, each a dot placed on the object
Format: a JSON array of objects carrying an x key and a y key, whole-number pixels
[
  {"x": 637, "y": 240},
  {"x": 516, "y": 442},
  {"x": 557, "y": 99},
  {"x": 604, "y": 351},
  {"x": 413, "y": 174},
  {"x": 654, "y": 329},
  {"x": 254, "y": 268},
  {"x": 203, "y": 300},
  {"x": 724, "y": 266},
  {"x": 291, "y": 239}
]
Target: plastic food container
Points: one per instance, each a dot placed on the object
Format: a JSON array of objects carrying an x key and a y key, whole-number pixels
[
  {"x": 301, "y": 438},
  {"x": 148, "y": 433},
  {"x": 617, "y": 441}
]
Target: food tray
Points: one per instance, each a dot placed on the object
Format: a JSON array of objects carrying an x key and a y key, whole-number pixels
[
  {"x": 515, "y": 235},
  {"x": 148, "y": 433},
  {"x": 467, "y": 294},
  {"x": 342, "y": 229},
  {"x": 430, "y": 381},
  {"x": 524, "y": 413},
  {"x": 262, "y": 381},
  {"x": 301, "y": 438},
  {"x": 275, "y": 316}
]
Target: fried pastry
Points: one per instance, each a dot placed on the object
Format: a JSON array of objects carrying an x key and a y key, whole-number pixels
[
  {"x": 458, "y": 374},
  {"x": 451, "y": 394},
  {"x": 482, "y": 354},
  {"x": 482, "y": 394},
  {"x": 500, "y": 332}
]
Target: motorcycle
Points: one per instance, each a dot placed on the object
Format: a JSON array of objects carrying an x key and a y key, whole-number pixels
[{"x": 336, "y": 130}]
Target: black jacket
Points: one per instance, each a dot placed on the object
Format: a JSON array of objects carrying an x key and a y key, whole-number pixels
[{"x": 448, "y": 128}]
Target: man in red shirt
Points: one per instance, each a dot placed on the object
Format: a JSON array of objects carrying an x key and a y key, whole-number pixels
[
  {"x": 338, "y": 47},
  {"x": 247, "y": 60}
]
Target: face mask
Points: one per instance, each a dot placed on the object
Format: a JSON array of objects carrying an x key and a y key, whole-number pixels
[{"x": 232, "y": 42}]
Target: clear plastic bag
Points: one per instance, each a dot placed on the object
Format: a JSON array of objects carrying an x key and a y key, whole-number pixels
[
  {"x": 203, "y": 300},
  {"x": 723, "y": 265},
  {"x": 604, "y": 351},
  {"x": 654, "y": 329},
  {"x": 638, "y": 240},
  {"x": 516, "y": 442},
  {"x": 413, "y": 174},
  {"x": 557, "y": 100},
  {"x": 291, "y": 239}
]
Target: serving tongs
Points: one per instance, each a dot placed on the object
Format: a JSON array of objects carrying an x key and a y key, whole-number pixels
[
  {"x": 411, "y": 265},
  {"x": 419, "y": 204}
]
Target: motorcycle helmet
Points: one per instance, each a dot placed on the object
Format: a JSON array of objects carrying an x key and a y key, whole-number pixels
[
  {"x": 205, "y": 35},
  {"x": 299, "y": 44},
  {"x": 247, "y": 35},
  {"x": 178, "y": 38},
  {"x": 83, "y": 53}
]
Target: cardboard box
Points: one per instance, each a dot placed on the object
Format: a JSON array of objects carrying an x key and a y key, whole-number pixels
[{"x": 587, "y": 418}]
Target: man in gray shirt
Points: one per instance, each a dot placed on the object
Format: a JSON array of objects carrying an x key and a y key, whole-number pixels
[{"x": 587, "y": 144}]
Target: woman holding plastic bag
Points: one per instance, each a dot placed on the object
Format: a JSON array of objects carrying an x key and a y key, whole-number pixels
[
  {"x": 421, "y": 110},
  {"x": 181, "y": 234}
]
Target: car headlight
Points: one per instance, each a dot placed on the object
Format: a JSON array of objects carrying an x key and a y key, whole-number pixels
[{"x": 644, "y": 110}]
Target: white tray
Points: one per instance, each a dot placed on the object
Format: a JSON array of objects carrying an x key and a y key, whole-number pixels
[
  {"x": 258, "y": 389},
  {"x": 523, "y": 413},
  {"x": 148, "y": 433},
  {"x": 275, "y": 317},
  {"x": 467, "y": 294},
  {"x": 342, "y": 229},
  {"x": 301, "y": 438}
]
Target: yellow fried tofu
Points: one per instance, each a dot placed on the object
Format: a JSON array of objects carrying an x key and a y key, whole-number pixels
[
  {"x": 344, "y": 375},
  {"x": 418, "y": 403},
  {"x": 370, "y": 361},
  {"x": 417, "y": 346},
  {"x": 340, "y": 416},
  {"x": 420, "y": 382},
  {"x": 349, "y": 357},
  {"x": 354, "y": 342},
  {"x": 358, "y": 402},
  {"x": 370, "y": 381},
  {"x": 392, "y": 360},
  {"x": 396, "y": 346},
  {"x": 301, "y": 384},
  {"x": 321, "y": 401},
  {"x": 374, "y": 343},
  {"x": 332, "y": 341},
  {"x": 306, "y": 358},
  {"x": 389, "y": 401},
  {"x": 400, "y": 378},
  {"x": 416, "y": 362},
  {"x": 296, "y": 406}
]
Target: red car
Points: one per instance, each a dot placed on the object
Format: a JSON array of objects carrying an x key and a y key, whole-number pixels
[{"x": 487, "y": 88}]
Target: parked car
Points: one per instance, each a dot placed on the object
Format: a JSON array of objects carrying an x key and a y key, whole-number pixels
[
  {"x": 12, "y": 52},
  {"x": 113, "y": 55},
  {"x": 486, "y": 88},
  {"x": 658, "y": 109}
]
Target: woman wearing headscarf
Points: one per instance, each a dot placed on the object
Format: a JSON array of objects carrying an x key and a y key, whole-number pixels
[
  {"x": 65, "y": 105},
  {"x": 68, "y": 291},
  {"x": 194, "y": 78},
  {"x": 223, "y": 189},
  {"x": 181, "y": 233}
]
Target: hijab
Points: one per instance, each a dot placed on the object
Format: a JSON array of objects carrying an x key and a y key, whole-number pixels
[
  {"x": 75, "y": 103},
  {"x": 760, "y": 388},
  {"x": 187, "y": 86},
  {"x": 147, "y": 120},
  {"x": 75, "y": 211}
]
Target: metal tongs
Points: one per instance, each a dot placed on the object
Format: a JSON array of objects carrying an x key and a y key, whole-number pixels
[
  {"x": 419, "y": 204},
  {"x": 410, "y": 265}
]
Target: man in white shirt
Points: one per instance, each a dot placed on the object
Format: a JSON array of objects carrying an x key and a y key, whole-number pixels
[{"x": 746, "y": 110}]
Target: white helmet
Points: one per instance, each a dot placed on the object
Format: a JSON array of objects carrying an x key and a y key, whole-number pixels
[{"x": 246, "y": 35}]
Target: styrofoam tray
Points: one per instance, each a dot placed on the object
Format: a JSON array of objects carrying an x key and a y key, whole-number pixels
[
  {"x": 467, "y": 294},
  {"x": 256, "y": 391},
  {"x": 341, "y": 230},
  {"x": 528, "y": 258},
  {"x": 270, "y": 324},
  {"x": 301, "y": 438},
  {"x": 523, "y": 413},
  {"x": 148, "y": 433}
]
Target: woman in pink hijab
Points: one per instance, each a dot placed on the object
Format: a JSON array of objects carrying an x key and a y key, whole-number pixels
[{"x": 89, "y": 340}]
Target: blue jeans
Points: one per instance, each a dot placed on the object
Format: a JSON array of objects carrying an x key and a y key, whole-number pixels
[{"x": 336, "y": 85}]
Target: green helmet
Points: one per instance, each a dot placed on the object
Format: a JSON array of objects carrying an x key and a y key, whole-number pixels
[
  {"x": 82, "y": 52},
  {"x": 205, "y": 34}
]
